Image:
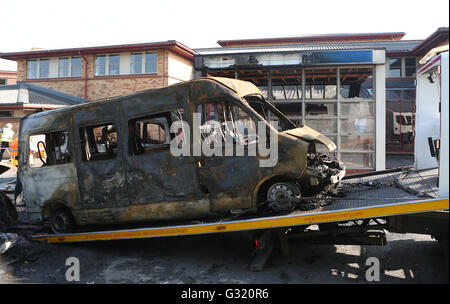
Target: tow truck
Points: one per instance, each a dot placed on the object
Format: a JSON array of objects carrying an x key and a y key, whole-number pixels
[{"x": 400, "y": 200}]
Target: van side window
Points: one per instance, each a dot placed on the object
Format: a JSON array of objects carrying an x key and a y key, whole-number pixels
[
  {"x": 149, "y": 132},
  {"x": 49, "y": 149},
  {"x": 98, "y": 142}
]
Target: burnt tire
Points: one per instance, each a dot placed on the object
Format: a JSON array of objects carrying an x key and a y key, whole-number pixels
[
  {"x": 61, "y": 221},
  {"x": 8, "y": 212},
  {"x": 282, "y": 191}
]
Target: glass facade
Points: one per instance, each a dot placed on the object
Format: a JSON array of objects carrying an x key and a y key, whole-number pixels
[{"x": 339, "y": 102}]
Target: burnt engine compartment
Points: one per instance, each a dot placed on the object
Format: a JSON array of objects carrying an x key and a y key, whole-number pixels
[{"x": 324, "y": 168}]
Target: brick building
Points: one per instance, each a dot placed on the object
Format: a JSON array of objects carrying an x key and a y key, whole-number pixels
[
  {"x": 8, "y": 72},
  {"x": 94, "y": 73}
]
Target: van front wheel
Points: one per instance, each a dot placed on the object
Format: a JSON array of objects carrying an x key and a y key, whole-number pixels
[
  {"x": 61, "y": 221},
  {"x": 279, "y": 195}
]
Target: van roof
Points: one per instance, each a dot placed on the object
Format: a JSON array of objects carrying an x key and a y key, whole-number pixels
[{"x": 200, "y": 88}]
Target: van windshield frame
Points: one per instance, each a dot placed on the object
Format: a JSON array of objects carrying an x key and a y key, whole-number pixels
[{"x": 264, "y": 108}]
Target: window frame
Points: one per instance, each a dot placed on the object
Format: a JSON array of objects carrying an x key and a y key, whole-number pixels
[
  {"x": 155, "y": 62},
  {"x": 409, "y": 66},
  {"x": 35, "y": 68},
  {"x": 59, "y": 67},
  {"x": 72, "y": 66},
  {"x": 109, "y": 64},
  {"x": 97, "y": 65},
  {"x": 400, "y": 68},
  {"x": 403, "y": 67},
  {"x": 40, "y": 70},
  {"x": 167, "y": 114},
  {"x": 47, "y": 132},
  {"x": 83, "y": 146},
  {"x": 132, "y": 63}
]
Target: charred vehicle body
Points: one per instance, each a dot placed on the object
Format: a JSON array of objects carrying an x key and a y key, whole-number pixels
[{"x": 110, "y": 162}]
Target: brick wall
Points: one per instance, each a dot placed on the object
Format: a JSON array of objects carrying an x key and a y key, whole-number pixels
[{"x": 100, "y": 87}]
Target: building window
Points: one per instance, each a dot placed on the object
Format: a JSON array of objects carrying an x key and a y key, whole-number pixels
[
  {"x": 3, "y": 81},
  {"x": 32, "y": 69},
  {"x": 136, "y": 64},
  {"x": 63, "y": 67},
  {"x": 100, "y": 65},
  {"x": 107, "y": 65},
  {"x": 395, "y": 67},
  {"x": 38, "y": 68},
  {"x": 114, "y": 65},
  {"x": 151, "y": 63},
  {"x": 410, "y": 66},
  {"x": 75, "y": 69},
  {"x": 402, "y": 67},
  {"x": 44, "y": 68}
]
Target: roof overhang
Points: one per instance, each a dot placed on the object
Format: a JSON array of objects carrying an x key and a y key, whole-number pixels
[
  {"x": 325, "y": 38},
  {"x": 432, "y": 63},
  {"x": 436, "y": 39},
  {"x": 171, "y": 45}
]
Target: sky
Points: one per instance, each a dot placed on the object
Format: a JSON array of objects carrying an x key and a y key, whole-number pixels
[{"x": 53, "y": 24}]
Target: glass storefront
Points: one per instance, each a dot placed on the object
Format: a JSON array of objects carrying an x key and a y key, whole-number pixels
[{"x": 339, "y": 102}]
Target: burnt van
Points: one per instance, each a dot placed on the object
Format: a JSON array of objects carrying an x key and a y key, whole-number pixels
[{"x": 111, "y": 161}]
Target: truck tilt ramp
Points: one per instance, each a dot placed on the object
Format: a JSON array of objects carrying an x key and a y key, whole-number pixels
[{"x": 375, "y": 195}]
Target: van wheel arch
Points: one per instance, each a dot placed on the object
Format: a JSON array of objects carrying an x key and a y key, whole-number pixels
[{"x": 59, "y": 215}]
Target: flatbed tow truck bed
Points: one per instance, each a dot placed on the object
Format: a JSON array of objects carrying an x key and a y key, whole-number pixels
[{"x": 377, "y": 195}]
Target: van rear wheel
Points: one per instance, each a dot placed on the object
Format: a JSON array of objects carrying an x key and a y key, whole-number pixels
[{"x": 61, "y": 221}]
